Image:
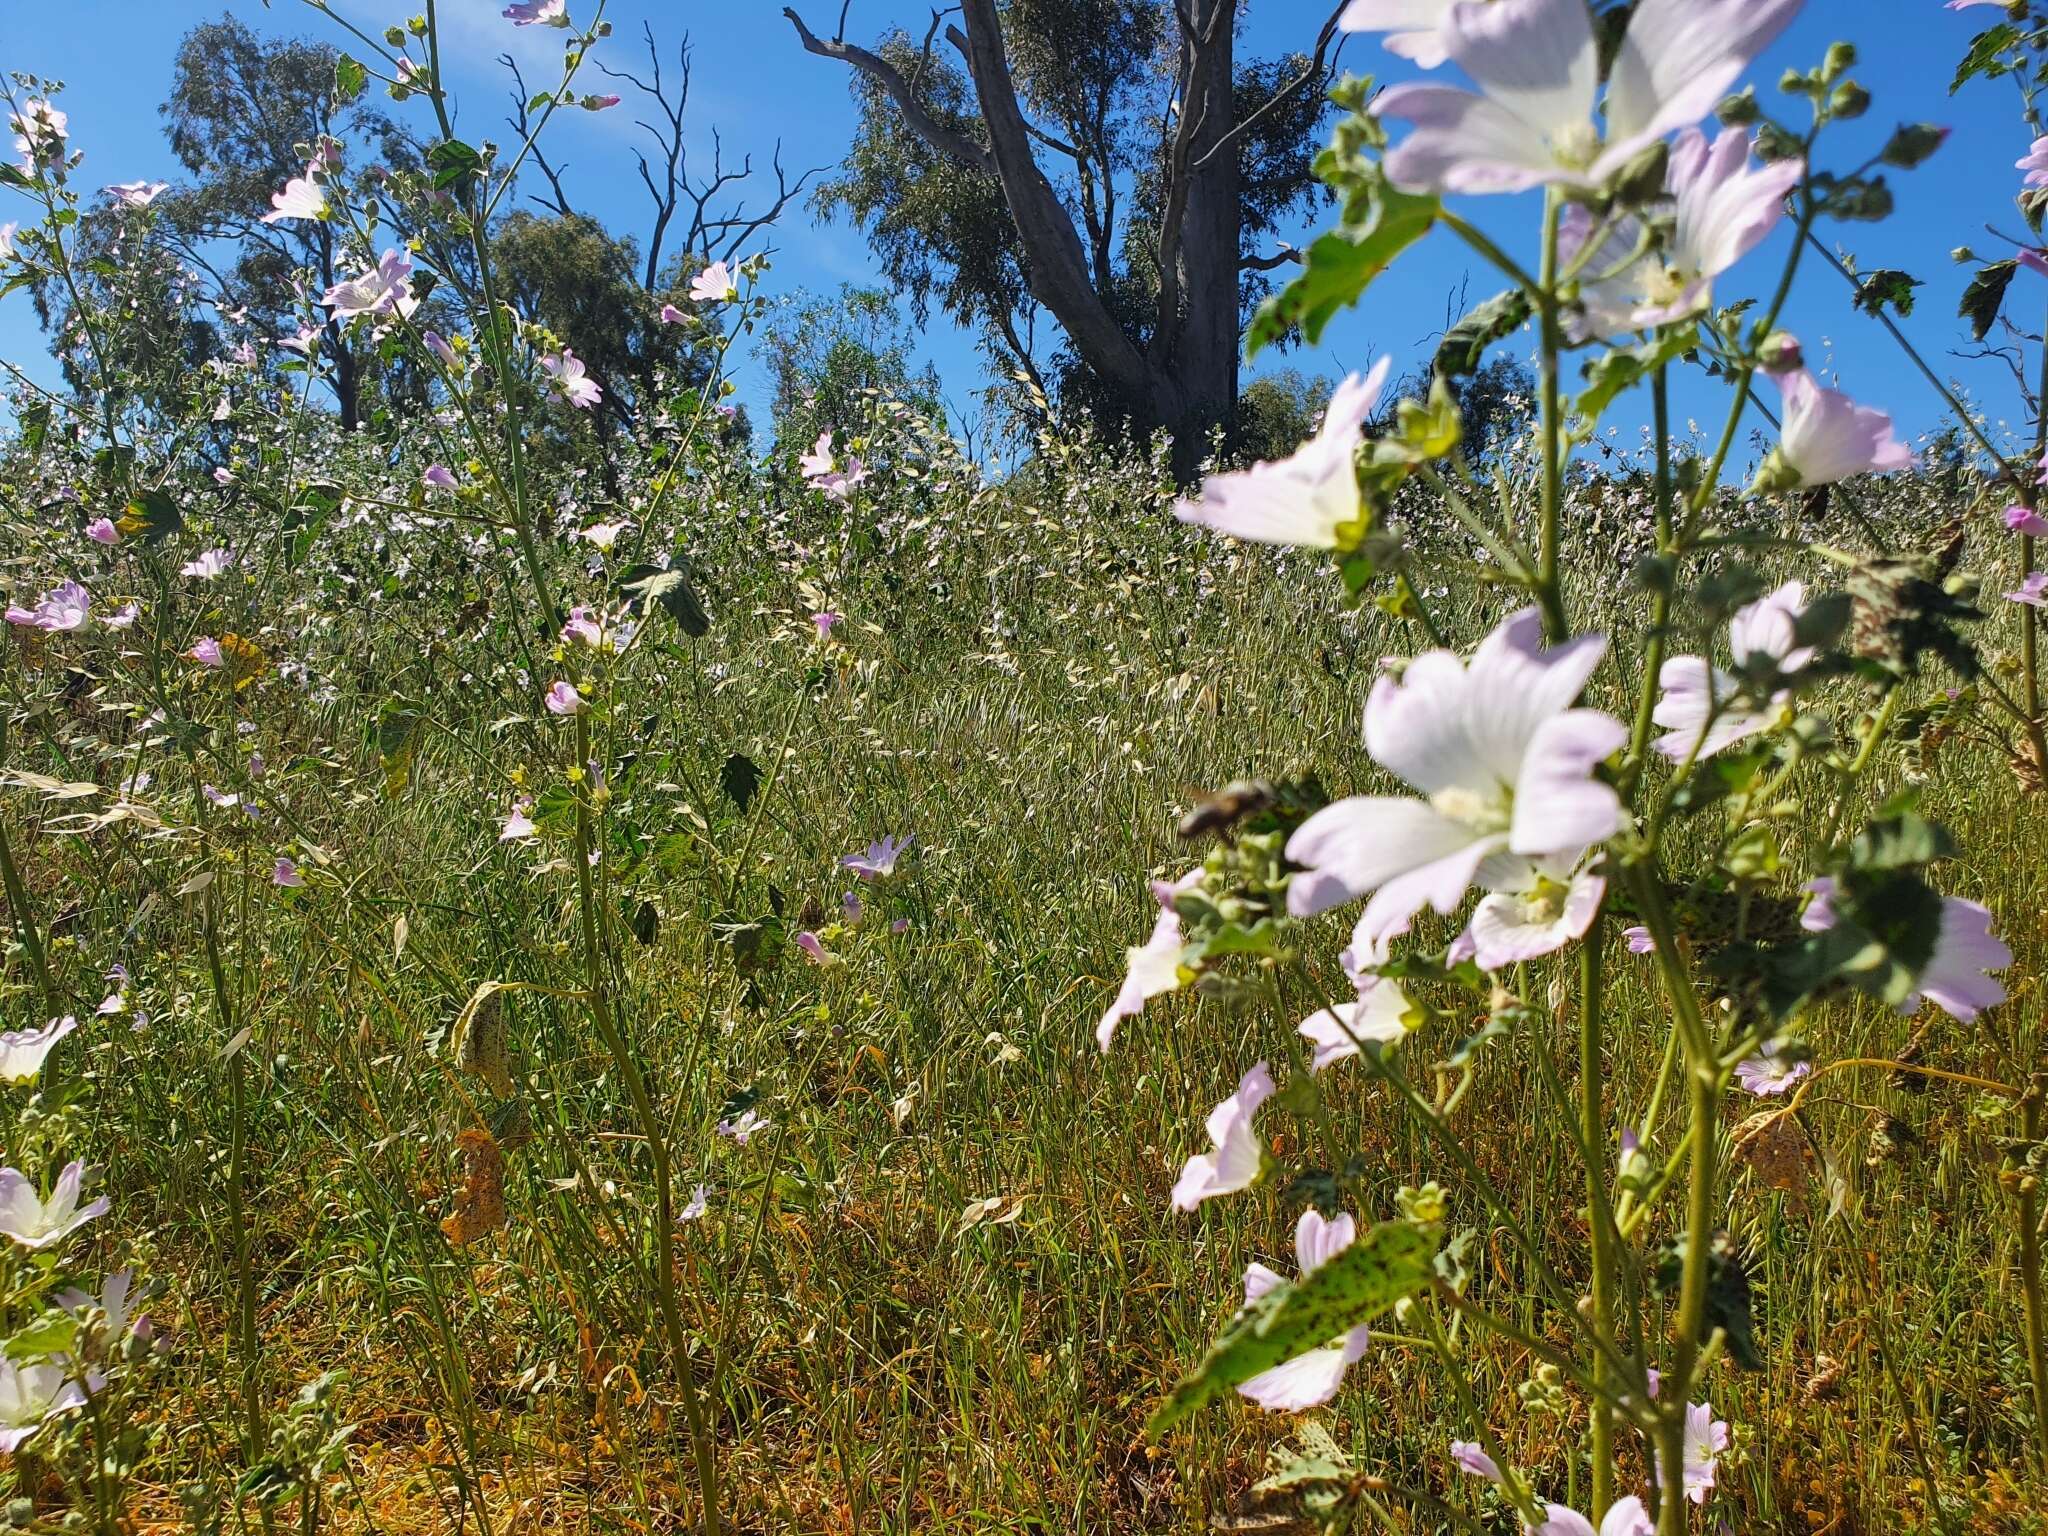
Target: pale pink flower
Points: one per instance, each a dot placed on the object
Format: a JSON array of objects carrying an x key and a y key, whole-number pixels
[
  {"x": 519, "y": 825},
  {"x": 1310, "y": 498},
  {"x": 1705, "y": 1438},
  {"x": 61, "y": 609},
  {"x": 563, "y": 699},
  {"x": 36, "y": 1223},
  {"x": 714, "y": 285},
  {"x": 599, "y": 103},
  {"x": 383, "y": 290},
  {"x": 136, "y": 194},
  {"x": 814, "y": 948},
  {"x": 2035, "y": 163},
  {"x": 581, "y": 626},
  {"x": 1724, "y": 208},
  {"x": 1956, "y": 977},
  {"x": 31, "y": 1396},
  {"x": 39, "y": 132},
  {"x": 222, "y": 475},
  {"x": 101, "y": 530},
  {"x": 743, "y": 1127},
  {"x": 1639, "y": 940},
  {"x": 850, "y": 909},
  {"x": 1693, "y": 688},
  {"x": 439, "y": 477},
  {"x": 1506, "y": 764},
  {"x": 7, "y": 239},
  {"x": 1533, "y": 907},
  {"x": 2019, "y": 519},
  {"x": 670, "y": 315},
  {"x": 1311, "y": 1379},
  {"x": 438, "y": 345},
  {"x": 1624, "y": 1517},
  {"x": 603, "y": 535},
  {"x": 817, "y": 464},
  {"x": 1473, "y": 1461},
  {"x": 878, "y": 862},
  {"x": 1153, "y": 968},
  {"x": 1413, "y": 26},
  {"x": 1536, "y": 117},
  {"x": 700, "y": 1201},
  {"x": 208, "y": 564},
  {"x": 824, "y": 622},
  {"x": 542, "y": 13},
  {"x": 285, "y": 872},
  {"x": 2033, "y": 591},
  {"x": 1825, "y": 436},
  {"x": 1236, "y": 1160},
  {"x": 570, "y": 377},
  {"x": 302, "y": 341},
  {"x": 301, "y": 198},
  {"x": 22, "y": 1050},
  {"x": 1379, "y": 1016},
  {"x": 1770, "y": 1071},
  {"x": 124, "y": 616}
]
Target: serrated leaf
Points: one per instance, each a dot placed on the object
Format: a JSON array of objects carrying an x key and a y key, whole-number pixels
[
  {"x": 54, "y": 1333},
  {"x": 349, "y": 79},
  {"x": 1623, "y": 368},
  {"x": 673, "y": 592},
  {"x": 739, "y": 779},
  {"x": 1465, "y": 343},
  {"x": 1386, "y": 1263},
  {"x": 453, "y": 161},
  {"x": 1986, "y": 295},
  {"x": 1339, "y": 266},
  {"x": 1886, "y": 286},
  {"x": 1986, "y": 56},
  {"x": 151, "y": 514}
]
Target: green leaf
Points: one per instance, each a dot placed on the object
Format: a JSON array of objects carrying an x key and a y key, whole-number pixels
[
  {"x": 1625, "y": 367},
  {"x": 153, "y": 515},
  {"x": 399, "y": 732},
  {"x": 1388, "y": 1262},
  {"x": 54, "y": 1333},
  {"x": 35, "y": 425},
  {"x": 739, "y": 778},
  {"x": 554, "y": 810},
  {"x": 1987, "y": 56},
  {"x": 1465, "y": 343},
  {"x": 1341, "y": 265},
  {"x": 1912, "y": 144},
  {"x": 453, "y": 161},
  {"x": 1886, "y": 286},
  {"x": 349, "y": 79},
  {"x": 673, "y": 591},
  {"x": 1985, "y": 295}
]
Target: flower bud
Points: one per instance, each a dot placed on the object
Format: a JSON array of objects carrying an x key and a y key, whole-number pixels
[
  {"x": 1841, "y": 58},
  {"x": 1642, "y": 179},
  {"x": 1739, "y": 111},
  {"x": 1850, "y": 100},
  {"x": 1962, "y": 253},
  {"x": 1781, "y": 353}
]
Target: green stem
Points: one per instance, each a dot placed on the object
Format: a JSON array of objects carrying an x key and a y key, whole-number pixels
[
  {"x": 2030, "y": 1269},
  {"x": 1599, "y": 1215},
  {"x": 1549, "y": 594}
]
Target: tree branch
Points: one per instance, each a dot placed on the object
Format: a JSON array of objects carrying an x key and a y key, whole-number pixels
[
  {"x": 949, "y": 142},
  {"x": 1314, "y": 70}
]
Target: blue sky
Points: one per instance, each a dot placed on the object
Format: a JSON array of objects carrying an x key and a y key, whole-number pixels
[{"x": 756, "y": 85}]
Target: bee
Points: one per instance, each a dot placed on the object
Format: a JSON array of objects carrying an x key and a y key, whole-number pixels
[{"x": 1222, "y": 812}]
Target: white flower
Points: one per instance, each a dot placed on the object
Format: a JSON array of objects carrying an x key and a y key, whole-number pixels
[
  {"x": 1534, "y": 907},
  {"x": 1824, "y": 436},
  {"x": 1955, "y": 977},
  {"x": 1235, "y": 1163},
  {"x": 1724, "y": 208},
  {"x": 1535, "y": 119},
  {"x": 1306, "y": 498},
  {"x": 22, "y": 1050},
  {"x": 383, "y": 290},
  {"x": 571, "y": 378},
  {"x": 1506, "y": 764},
  {"x": 1380, "y": 1016},
  {"x": 1760, "y": 631},
  {"x": 208, "y": 564},
  {"x": 1413, "y": 26},
  {"x": 37, "y": 1223},
  {"x": 1153, "y": 968},
  {"x": 1624, "y": 1517},
  {"x": 301, "y": 198},
  {"x": 137, "y": 194},
  {"x": 1308, "y": 1380},
  {"x": 743, "y": 1127},
  {"x": 700, "y": 1201},
  {"x": 30, "y": 1396}
]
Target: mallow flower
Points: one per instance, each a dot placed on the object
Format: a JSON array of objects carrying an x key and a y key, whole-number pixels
[
  {"x": 1413, "y": 27},
  {"x": 1309, "y": 498},
  {"x": 1536, "y": 118},
  {"x": 301, "y": 198},
  {"x": 563, "y": 699},
  {"x": 1152, "y": 968},
  {"x": 32, "y": 1395},
  {"x": 571, "y": 378},
  {"x": 541, "y": 13},
  {"x": 2024, "y": 520},
  {"x": 1379, "y": 1016},
  {"x": 61, "y": 609},
  {"x": 1693, "y": 687},
  {"x": 2033, "y": 591},
  {"x": 714, "y": 285},
  {"x": 1723, "y": 208},
  {"x": 1505, "y": 766},
  {"x": 1824, "y": 436},
  {"x": 1308, "y": 1380},
  {"x": 34, "y": 1222},
  {"x": 22, "y": 1050},
  {"x": 383, "y": 290},
  {"x": 1771, "y": 1071},
  {"x": 1532, "y": 907},
  {"x": 2035, "y": 163},
  {"x": 101, "y": 530},
  {"x": 1956, "y": 977},
  {"x": 136, "y": 194},
  {"x": 1624, "y": 1517},
  {"x": 1473, "y": 1461},
  {"x": 1235, "y": 1161},
  {"x": 878, "y": 861}
]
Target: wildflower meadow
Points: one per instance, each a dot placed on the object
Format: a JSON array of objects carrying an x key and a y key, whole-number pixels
[{"x": 578, "y": 960}]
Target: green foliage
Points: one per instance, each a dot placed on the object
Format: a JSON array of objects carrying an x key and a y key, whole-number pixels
[
  {"x": 1985, "y": 296},
  {"x": 1387, "y": 1262}
]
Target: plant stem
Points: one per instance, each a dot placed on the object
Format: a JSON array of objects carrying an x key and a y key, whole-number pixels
[
  {"x": 1548, "y": 592},
  {"x": 2030, "y": 1268},
  {"x": 1599, "y": 1220}
]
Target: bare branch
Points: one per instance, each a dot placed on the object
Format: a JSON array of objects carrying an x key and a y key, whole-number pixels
[
  {"x": 950, "y": 142},
  {"x": 1314, "y": 71},
  {"x": 1279, "y": 258},
  {"x": 522, "y": 127}
]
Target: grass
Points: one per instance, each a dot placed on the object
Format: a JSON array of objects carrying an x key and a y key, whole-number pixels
[{"x": 941, "y": 1290}]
